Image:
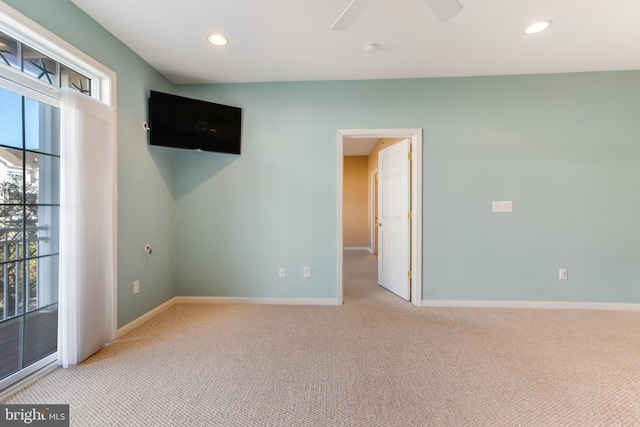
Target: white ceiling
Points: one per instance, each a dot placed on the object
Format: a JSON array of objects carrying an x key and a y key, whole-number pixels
[
  {"x": 290, "y": 40},
  {"x": 358, "y": 146}
]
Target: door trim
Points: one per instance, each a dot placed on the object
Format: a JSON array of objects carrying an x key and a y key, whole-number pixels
[
  {"x": 415, "y": 136},
  {"x": 373, "y": 201}
]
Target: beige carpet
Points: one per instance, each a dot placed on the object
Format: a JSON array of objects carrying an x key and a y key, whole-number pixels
[{"x": 376, "y": 361}]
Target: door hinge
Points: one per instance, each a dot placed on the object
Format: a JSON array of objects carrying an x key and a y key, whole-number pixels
[
  {"x": 410, "y": 156},
  {"x": 410, "y": 274},
  {"x": 410, "y": 215}
]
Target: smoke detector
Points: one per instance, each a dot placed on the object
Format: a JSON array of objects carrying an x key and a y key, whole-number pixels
[{"x": 370, "y": 47}]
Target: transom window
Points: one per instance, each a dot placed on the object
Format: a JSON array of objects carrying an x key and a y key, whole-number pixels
[{"x": 22, "y": 57}]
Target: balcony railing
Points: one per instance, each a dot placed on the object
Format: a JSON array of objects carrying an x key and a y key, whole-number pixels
[{"x": 15, "y": 251}]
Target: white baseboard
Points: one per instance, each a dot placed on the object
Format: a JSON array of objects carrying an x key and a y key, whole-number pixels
[
  {"x": 533, "y": 304},
  {"x": 334, "y": 301},
  {"x": 356, "y": 248},
  {"x": 220, "y": 300},
  {"x": 145, "y": 317},
  {"x": 251, "y": 300}
]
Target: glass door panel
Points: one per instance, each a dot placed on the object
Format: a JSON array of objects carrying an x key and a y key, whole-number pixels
[{"x": 29, "y": 231}]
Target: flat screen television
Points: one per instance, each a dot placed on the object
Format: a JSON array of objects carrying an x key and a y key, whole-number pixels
[{"x": 179, "y": 122}]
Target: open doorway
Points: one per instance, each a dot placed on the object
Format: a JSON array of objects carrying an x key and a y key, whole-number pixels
[{"x": 349, "y": 136}]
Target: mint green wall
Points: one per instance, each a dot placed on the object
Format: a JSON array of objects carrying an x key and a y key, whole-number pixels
[
  {"x": 565, "y": 148},
  {"x": 241, "y": 217},
  {"x": 145, "y": 204}
]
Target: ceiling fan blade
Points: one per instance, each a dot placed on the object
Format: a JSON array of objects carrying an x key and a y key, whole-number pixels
[
  {"x": 444, "y": 9},
  {"x": 350, "y": 14}
]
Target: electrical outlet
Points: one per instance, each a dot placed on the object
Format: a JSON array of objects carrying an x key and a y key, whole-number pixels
[
  {"x": 306, "y": 271},
  {"x": 503, "y": 206},
  {"x": 281, "y": 272},
  {"x": 136, "y": 287},
  {"x": 563, "y": 274}
]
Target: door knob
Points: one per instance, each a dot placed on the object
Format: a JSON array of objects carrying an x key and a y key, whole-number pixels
[{"x": 379, "y": 224}]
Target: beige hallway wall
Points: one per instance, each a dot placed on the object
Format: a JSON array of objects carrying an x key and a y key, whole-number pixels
[{"x": 355, "y": 212}]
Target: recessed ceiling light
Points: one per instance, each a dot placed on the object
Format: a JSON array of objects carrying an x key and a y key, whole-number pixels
[
  {"x": 536, "y": 27},
  {"x": 217, "y": 39}
]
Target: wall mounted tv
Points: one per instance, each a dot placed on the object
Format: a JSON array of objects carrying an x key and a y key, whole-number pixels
[{"x": 179, "y": 122}]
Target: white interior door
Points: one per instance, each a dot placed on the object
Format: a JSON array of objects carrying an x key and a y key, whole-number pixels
[{"x": 394, "y": 225}]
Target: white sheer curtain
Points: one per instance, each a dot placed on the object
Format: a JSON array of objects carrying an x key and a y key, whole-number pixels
[{"x": 87, "y": 277}]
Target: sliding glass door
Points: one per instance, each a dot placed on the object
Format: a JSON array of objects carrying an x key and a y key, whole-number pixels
[
  {"x": 36, "y": 69},
  {"x": 29, "y": 229}
]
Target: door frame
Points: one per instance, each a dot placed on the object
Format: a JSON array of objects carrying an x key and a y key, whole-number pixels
[
  {"x": 415, "y": 137},
  {"x": 373, "y": 207}
]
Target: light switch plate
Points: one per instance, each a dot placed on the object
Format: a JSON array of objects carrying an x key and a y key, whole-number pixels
[{"x": 503, "y": 206}]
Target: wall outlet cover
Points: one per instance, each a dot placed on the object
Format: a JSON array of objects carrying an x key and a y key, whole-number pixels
[
  {"x": 502, "y": 206},
  {"x": 563, "y": 274}
]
